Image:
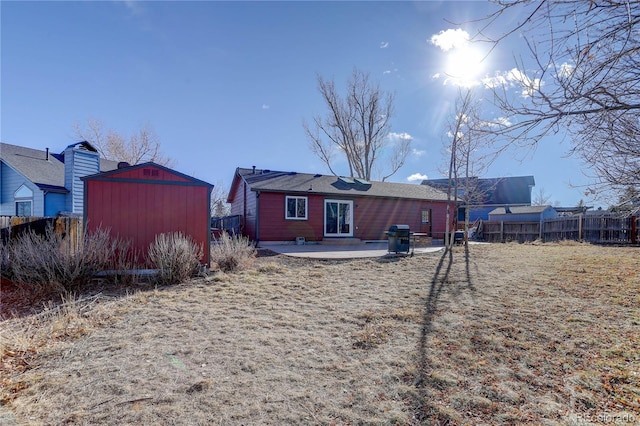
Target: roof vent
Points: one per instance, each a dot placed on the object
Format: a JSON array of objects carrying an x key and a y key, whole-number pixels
[{"x": 123, "y": 164}]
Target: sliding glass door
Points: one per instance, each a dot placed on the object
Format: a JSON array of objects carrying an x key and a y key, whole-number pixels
[{"x": 338, "y": 218}]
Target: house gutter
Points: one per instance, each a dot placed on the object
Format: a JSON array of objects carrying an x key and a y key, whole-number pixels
[{"x": 257, "y": 218}]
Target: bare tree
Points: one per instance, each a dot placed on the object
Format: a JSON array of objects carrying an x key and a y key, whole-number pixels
[
  {"x": 580, "y": 74},
  {"x": 471, "y": 154},
  {"x": 356, "y": 126},
  {"x": 140, "y": 147},
  {"x": 219, "y": 205},
  {"x": 541, "y": 198}
]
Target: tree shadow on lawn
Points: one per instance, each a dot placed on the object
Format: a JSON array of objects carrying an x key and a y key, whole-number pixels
[{"x": 424, "y": 410}]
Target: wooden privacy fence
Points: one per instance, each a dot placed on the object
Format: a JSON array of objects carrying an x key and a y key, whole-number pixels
[
  {"x": 611, "y": 229},
  {"x": 501, "y": 231},
  {"x": 228, "y": 224},
  {"x": 70, "y": 228}
]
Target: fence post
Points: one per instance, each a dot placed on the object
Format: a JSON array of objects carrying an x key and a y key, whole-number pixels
[
  {"x": 540, "y": 223},
  {"x": 580, "y": 218},
  {"x": 634, "y": 230},
  {"x": 502, "y": 231}
]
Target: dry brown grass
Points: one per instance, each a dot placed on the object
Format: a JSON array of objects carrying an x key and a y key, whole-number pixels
[{"x": 512, "y": 334}]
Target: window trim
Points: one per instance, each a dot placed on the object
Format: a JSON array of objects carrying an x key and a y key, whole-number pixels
[
  {"x": 24, "y": 201},
  {"x": 23, "y": 193},
  {"x": 350, "y": 219},
  {"x": 296, "y": 197},
  {"x": 422, "y": 214}
]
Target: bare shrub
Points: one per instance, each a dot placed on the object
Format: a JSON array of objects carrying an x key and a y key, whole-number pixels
[
  {"x": 49, "y": 263},
  {"x": 232, "y": 253},
  {"x": 176, "y": 256},
  {"x": 124, "y": 268},
  {"x": 5, "y": 271}
]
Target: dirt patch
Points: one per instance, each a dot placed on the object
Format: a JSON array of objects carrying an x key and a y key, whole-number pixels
[{"x": 510, "y": 334}]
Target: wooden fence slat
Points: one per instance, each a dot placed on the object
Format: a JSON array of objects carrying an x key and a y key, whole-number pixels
[
  {"x": 595, "y": 229},
  {"x": 70, "y": 228}
]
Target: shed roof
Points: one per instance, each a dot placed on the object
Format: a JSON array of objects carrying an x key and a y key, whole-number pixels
[
  {"x": 126, "y": 171},
  {"x": 307, "y": 183}
]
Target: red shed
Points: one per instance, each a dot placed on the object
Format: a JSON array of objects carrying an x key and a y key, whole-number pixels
[{"x": 139, "y": 202}]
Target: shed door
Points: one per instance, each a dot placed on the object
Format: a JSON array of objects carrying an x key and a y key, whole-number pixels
[{"x": 338, "y": 218}]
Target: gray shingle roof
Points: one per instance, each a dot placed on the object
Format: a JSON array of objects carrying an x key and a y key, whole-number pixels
[
  {"x": 503, "y": 190},
  {"x": 293, "y": 182},
  {"x": 34, "y": 165}
]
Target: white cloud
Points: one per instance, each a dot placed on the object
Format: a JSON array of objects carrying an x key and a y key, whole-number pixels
[
  {"x": 566, "y": 70},
  {"x": 399, "y": 136},
  {"x": 384, "y": 44},
  {"x": 418, "y": 152},
  {"x": 417, "y": 177},
  {"x": 514, "y": 78},
  {"x": 265, "y": 106},
  {"x": 450, "y": 39},
  {"x": 386, "y": 72},
  {"x": 499, "y": 122}
]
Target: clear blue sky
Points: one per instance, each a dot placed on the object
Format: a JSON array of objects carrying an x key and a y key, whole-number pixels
[{"x": 228, "y": 84}]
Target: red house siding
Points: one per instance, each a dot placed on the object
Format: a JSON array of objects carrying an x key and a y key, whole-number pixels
[
  {"x": 244, "y": 205},
  {"x": 274, "y": 226},
  {"x": 374, "y": 216},
  {"x": 141, "y": 202},
  {"x": 371, "y": 216}
]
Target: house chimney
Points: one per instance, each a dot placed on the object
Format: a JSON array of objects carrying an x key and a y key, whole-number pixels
[
  {"x": 254, "y": 170},
  {"x": 47, "y": 156}
]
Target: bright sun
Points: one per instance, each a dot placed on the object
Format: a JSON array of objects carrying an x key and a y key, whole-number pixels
[
  {"x": 464, "y": 61},
  {"x": 465, "y": 64}
]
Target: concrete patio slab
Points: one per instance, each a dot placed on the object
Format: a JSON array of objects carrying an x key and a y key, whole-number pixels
[{"x": 353, "y": 251}]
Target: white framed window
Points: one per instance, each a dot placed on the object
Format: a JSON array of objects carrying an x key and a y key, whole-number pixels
[
  {"x": 425, "y": 216},
  {"x": 295, "y": 208},
  {"x": 24, "y": 201},
  {"x": 23, "y": 208}
]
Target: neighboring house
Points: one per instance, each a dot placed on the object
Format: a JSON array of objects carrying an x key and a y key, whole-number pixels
[
  {"x": 136, "y": 203},
  {"x": 522, "y": 214},
  {"x": 488, "y": 193},
  {"x": 39, "y": 183},
  {"x": 285, "y": 206}
]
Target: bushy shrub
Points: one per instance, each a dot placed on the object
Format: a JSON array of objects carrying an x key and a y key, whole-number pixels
[
  {"x": 49, "y": 263},
  {"x": 176, "y": 256},
  {"x": 232, "y": 253}
]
